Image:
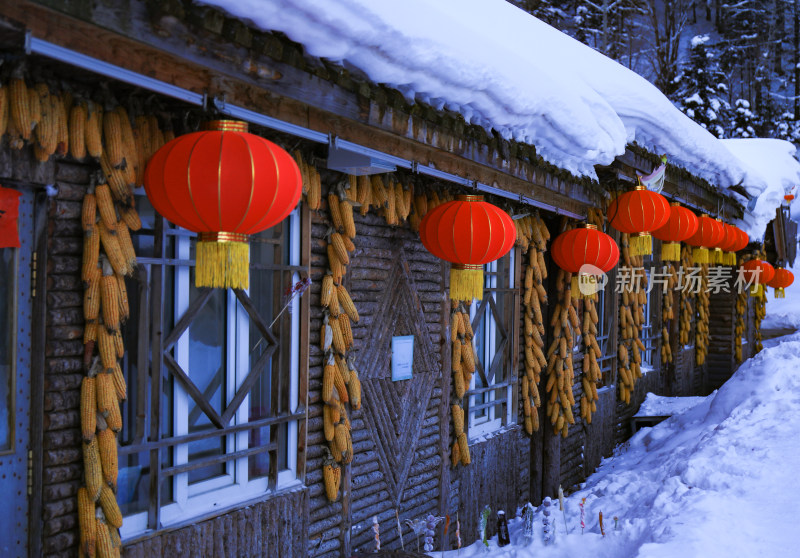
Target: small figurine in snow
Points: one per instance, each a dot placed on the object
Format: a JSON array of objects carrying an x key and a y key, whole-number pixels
[
  {"x": 430, "y": 525},
  {"x": 502, "y": 529},
  {"x": 482, "y": 525},
  {"x": 549, "y": 531},
  {"x": 562, "y": 508},
  {"x": 527, "y": 517},
  {"x": 583, "y": 514}
]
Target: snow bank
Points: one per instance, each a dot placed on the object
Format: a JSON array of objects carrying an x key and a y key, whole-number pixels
[
  {"x": 500, "y": 68},
  {"x": 716, "y": 480},
  {"x": 658, "y": 405},
  {"x": 775, "y": 161},
  {"x": 784, "y": 313}
]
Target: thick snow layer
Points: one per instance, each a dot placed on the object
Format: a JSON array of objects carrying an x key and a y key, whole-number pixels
[
  {"x": 659, "y": 405},
  {"x": 784, "y": 313},
  {"x": 500, "y": 68},
  {"x": 716, "y": 480},
  {"x": 775, "y": 161}
]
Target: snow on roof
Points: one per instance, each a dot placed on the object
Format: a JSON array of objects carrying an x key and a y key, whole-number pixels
[
  {"x": 775, "y": 161},
  {"x": 501, "y": 68}
]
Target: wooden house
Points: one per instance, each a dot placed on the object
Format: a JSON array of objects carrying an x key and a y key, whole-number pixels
[{"x": 208, "y": 469}]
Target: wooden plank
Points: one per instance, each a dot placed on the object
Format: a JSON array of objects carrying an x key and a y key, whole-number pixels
[
  {"x": 204, "y": 295},
  {"x": 444, "y": 407},
  {"x": 156, "y": 385},
  {"x": 192, "y": 390}
]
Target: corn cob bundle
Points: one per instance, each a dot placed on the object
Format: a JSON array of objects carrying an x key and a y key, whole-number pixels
[
  {"x": 629, "y": 328},
  {"x": 591, "y": 375},
  {"x": 19, "y": 105},
  {"x": 741, "y": 309},
  {"x": 560, "y": 371},
  {"x": 461, "y": 340},
  {"x": 686, "y": 309},
  {"x": 533, "y": 326},
  {"x": 667, "y": 314},
  {"x": 701, "y": 333},
  {"x": 331, "y": 476}
]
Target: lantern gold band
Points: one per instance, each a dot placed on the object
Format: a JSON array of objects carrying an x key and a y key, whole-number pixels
[
  {"x": 226, "y": 125},
  {"x": 590, "y": 226},
  {"x": 640, "y": 187},
  {"x": 465, "y": 266},
  {"x": 645, "y": 233},
  {"x": 222, "y": 237},
  {"x": 675, "y": 204},
  {"x": 469, "y": 198}
]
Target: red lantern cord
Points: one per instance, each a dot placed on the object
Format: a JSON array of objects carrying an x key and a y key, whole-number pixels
[{"x": 224, "y": 184}]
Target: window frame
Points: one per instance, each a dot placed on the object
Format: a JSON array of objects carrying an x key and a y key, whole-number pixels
[
  {"x": 168, "y": 454},
  {"x": 477, "y": 427}
]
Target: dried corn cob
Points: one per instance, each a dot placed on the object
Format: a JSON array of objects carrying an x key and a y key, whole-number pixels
[
  {"x": 61, "y": 124},
  {"x": 86, "y": 522},
  {"x": 326, "y": 293},
  {"x": 109, "y": 290},
  {"x": 107, "y": 446},
  {"x": 105, "y": 206},
  {"x": 77, "y": 131},
  {"x": 105, "y": 544},
  {"x": 92, "y": 470},
  {"x": 92, "y": 131},
  {"x": 338, "y": 245},
  {"x": 91, "y": 295},
  {"x": 112, "y": 136},
  {"x": 348, "y": 222},
  {"x": 108, "y": 502},
  {"x": 347, "y": 303},
  {"x": 120, "y": 387},
  {"x": 124, "y": 308},
  {"x": 331, "y": 474},
  {"x": 88, "y": 409},
  {"x": 113, "y": 251},
  {"x": 335, "y": 211},
  {"x": 91, "y": 254}
]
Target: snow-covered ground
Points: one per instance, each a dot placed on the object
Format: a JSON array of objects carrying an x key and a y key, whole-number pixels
[
  {"x": 784, "y": 313},
  {"x": 716, "y": 480}
]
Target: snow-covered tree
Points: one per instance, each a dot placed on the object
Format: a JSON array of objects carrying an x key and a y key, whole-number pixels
[
  {"x": 743, "y": 125},
  {"x": 703, "y": 89}
]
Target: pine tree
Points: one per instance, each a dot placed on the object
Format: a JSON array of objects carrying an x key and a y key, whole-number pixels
[
  {"x": 743, "y": 125},
  {"x": 702, "y": 89}
]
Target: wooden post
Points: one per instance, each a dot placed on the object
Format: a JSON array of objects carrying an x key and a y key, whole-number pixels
[{"x": 444, "y": 409}]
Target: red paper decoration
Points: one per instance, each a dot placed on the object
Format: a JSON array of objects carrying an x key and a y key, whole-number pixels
[
  {"x": 577, "y": 247},
  {"x": 709, "y": 234},
  {"x": 682, "y": 224},
  {"x": 9, "y": 215},
  {"x": 782, "y": 279},
  {"x": 639, "y": 212},
  {"x": 467, "y": 232},
  {"x": 224, "y": 184}
]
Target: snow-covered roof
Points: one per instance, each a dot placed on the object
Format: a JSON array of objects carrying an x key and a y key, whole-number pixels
[
  {"x": 501, "y": 68},
  {"x": 774, "y": 160}
]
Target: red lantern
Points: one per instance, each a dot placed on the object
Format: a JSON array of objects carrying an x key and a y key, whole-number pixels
[
  {"x": 224, "y": 184},
  {"x": 639, "y": 212},
  {"x": 682, "y": 224},
  {"x": 709, "y": 234},
  {"x": 742, "y": 240},
  {"x": 782, "y": 279},
  {"x": 575, "y": 248},
  {"x": 758, "y": 273},
  {"x": 467, "y": 232}
]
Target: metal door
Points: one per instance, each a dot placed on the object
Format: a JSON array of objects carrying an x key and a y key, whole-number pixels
[{"x": 15, "y": 388}]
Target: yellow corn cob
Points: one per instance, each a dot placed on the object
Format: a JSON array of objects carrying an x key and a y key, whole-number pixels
[
  {"x": 116, "y": 258},
  {"x": 455, "y": 455},
  {"x": 108, "y": 502},
  {"x": 105, "y": 544},
  {"x": 326, "y": 294},
  {"x": 107, "y": 348},
  {"x": 91, "y": 253},
  {"x": 92, "y": 471},
  {"x": 340, "y": 437},
  {"x": 455, "y": 326},
  {"x": 354, "y": 390},
  {"x": 20, "y": 107},
  {"x": 458, "y": 419},
  {"x": 119, "y": 344},
  {"x": 3, "y": 109},
  {"x": 347, "y": 303},
  {"x": 337, "y": 267},
  {"x": 61, "y": 125},
  {"x": 91, "y": 295},
  {"x": 86, "y": 522},
  {"x": 90, "y": 331},
  {"x": 331, "y": 475},
  {"x": 338, "y": 383},
  {"x": 327, "y": 422},
  {"x": 107, "y": 446},
  {"x": 105, "y": 206},
  {"x": 131, "y": 218},
  {"x": 468, "y": 357},
  {"x": 92, "y": 130},
  {"x": 88, "y": 409},
  {"x": 109, "y": 290},
  {"x": 314, "y": 196},
  {"x": 120, "y": 387},
  {"x": 112, "y": 137},
  {"x": 156, "y": 135},
  {"x": 458, "y": 384},
  {"x": 77, "y": 131},
  {"x": 337, "y": 455},
  {"x": 335, "y": 211},
  {"x": 347, "y": 332},
  {"x": 338, "y": 339},
  {"x": 124, "y": 308},
  {"x": 338, "y": 245},
  {"x": 35, "y": 104},
  {"x": 106, "y": 392},
  {"x": 349, "y": 224},
  {"x": 126, "y": 245},
  {"x": 88, "y": 212},
  {"x": 463, "y": 445},
  {"x": 379, "y": 196},
  {"x": 328, "y": 375},
  {"x": 116, "y": 180},
  {"x": 390, "y": 209}
]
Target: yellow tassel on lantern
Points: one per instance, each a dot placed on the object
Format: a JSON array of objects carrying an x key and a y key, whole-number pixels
[
  {"x": 641, "y": 244},
  {"x": 718, "y": 257},
  {"x": 671, "y": 252},
  {"x": 730, "y": 258},
  {"x": 223, "y": 261},
  {"x": 466, "y": 282},
  {"x": 700, "y": 255},
  {"x": 757, "y": 291},
  {"x": 780, "y": 292}
]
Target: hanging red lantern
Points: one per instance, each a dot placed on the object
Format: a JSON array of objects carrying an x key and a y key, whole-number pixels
[
  {"x": 709, "y": 234},
  {"x": 575, "y": 248},
  {"x": 742, "y": 240},
  {"x": 637, "y": 213},
  {"x": 682, "y": 224},
  {"x": 782, "y": 279},
  {"x": 728, "y": 243},
  {"x": 467, "y": 232},
  {"x": 758, "y": 273},
  {"x": 224, "y": 184}
]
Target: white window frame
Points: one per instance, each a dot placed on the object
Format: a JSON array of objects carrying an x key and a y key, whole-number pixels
[
  {"x": 234, "y": 486},
  {"x": 491, "y": 422}
]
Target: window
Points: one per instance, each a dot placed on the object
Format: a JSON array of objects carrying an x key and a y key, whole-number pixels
[
  {"x": 214, "y": 410},
  {"x": 490, "y": 401},
  {"x": 603, "y": 336}
]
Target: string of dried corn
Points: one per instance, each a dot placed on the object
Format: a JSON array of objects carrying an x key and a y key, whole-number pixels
[
  {"x": 668, "y": 314},
  {"x": 631, "y": 321},
  {"x": 701, "y": 328},
  {"x": 741, "y": 310},
  {"x": 462, "y": 364}
]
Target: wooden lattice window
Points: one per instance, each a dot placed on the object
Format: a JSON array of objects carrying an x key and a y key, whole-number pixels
[
  {"x": 490, "y": 402},
  {"x": 215, "y": 414}
]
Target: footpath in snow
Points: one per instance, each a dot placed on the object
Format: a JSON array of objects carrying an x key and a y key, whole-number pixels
[{"x": 719, "y": 479}]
